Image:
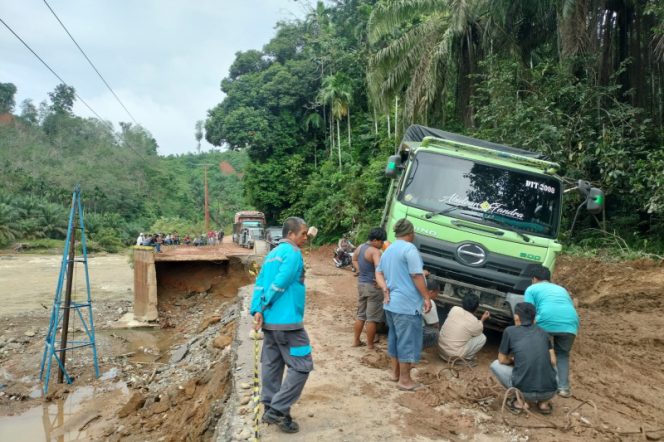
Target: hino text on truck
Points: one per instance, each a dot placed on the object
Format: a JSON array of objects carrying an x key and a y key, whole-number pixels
[{"x": 483, "y": 213}]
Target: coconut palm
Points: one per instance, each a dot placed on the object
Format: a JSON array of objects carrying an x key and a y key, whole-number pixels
[
  {"x": 336, "y": 92},
  {"x": 427, "y": 47}
]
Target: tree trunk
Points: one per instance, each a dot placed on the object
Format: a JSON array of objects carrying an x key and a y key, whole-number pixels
[
  {"x": 348, "y": 121},
  {"x": 396, "y": 118},
  {"x": 389, "y": 132},
  {"x": 331, "y": 136},
  {"x": 339, "y": 143},
  {"x": 375, "y": 121}
]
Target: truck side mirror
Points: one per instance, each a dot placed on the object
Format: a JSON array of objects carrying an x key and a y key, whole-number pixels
[
  {"x": 393, "y": 167},
  {"x": 595, "y": 201}
]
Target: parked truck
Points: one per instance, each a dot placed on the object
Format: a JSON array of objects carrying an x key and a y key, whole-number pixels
[
  {"x": 484, "y": 214},
  {"x": 248, "y": 226}
]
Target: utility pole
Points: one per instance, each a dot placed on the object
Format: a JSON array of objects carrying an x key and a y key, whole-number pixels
[{"x": 207, "y": 204}]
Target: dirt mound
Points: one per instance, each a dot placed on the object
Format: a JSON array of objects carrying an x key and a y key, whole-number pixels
[{"x": 622, "y": 286}]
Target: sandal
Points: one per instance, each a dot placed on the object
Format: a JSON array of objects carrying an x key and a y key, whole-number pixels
[
  {"x": 512, "y": 406},
  {"x": 546, "y": 410},
  {"x": 415, "y": 387}
]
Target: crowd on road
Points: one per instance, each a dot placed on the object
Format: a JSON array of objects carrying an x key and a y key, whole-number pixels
[
  {"x": 156, "y": 240},
  {"x": 394, "y": 288}
]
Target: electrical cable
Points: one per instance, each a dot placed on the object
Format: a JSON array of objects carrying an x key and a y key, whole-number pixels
[
  {"x": 90, "y": 62},
  {"x": 49, "y": 68},
  {"x": 103, "y": 121}
]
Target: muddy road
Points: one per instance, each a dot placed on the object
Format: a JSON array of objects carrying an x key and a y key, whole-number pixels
[
  {"x": 148, "y": 393},
  {"x": 617, "y": 369}
]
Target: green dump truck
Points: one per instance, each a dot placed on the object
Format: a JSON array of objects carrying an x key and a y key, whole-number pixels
[{"x": 484, "y": 214}]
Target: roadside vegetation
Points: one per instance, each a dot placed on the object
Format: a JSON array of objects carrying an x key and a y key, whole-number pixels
[
  {"x": 127, "y": 188},
  {"x": 321, "y": 105},
  {"x": 310, "y": 118}
]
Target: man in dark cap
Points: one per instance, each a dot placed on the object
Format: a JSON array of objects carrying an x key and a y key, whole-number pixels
[
  {"x": 400, "y": 274},
  {"x": 526, "y": 361}
]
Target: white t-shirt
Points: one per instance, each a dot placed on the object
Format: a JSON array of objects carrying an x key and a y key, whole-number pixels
[{"x": 431, "y": 317}]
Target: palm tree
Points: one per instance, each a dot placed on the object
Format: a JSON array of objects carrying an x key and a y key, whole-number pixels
[
  {"x": 9, "y": 226},
  {"x": 427, "y": 47},
  {"x": 336, "y": 92}
]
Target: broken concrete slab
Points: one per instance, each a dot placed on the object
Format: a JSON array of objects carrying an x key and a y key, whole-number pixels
[{"x": 179, "y": 353}]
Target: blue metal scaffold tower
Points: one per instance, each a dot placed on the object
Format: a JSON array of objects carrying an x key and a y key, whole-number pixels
[{"x": 60, "y": 314}]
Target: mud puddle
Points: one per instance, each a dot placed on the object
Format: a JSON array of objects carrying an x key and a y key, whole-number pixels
[
  {"x": 63, "y": 419},
  {"x": 142, "y": 345}
]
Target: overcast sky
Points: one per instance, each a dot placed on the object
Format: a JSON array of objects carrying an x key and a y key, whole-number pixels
[{"x": 163, "y": 58}]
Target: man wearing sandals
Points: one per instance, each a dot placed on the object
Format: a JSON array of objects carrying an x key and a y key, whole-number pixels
[
  {"x": 400, "y": 274},
  {"x": 526, "y": 361}
]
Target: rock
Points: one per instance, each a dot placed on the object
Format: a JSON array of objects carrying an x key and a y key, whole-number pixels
[
  {"x": 208, "y": 322},
  {"x": 245, "y": 385},
  {"x": 244, "y": 434},
  {"x": 179, "y": 354},
  {"x": 311, "y": 415},
  {"x": 245, "y": 400},
  {"x": 29, "y": 333},
  {"x": 160, "y": 406},
  {"x": 222, "y": 341},
  {"x": 135, "y": 402}
]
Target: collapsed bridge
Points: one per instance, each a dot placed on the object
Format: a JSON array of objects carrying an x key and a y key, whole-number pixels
[{"x": 184, "y": 269}]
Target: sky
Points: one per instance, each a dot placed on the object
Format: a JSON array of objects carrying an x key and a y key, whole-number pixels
[{"x": 163, "y": 58}]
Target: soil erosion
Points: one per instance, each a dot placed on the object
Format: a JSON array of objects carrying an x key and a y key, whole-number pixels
[{"x": 171, "y": 382}]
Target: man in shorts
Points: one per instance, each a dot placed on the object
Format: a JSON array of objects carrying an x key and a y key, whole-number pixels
[
  {"x": 370, "y": 297},
  {"x": 400, "y": 275}
]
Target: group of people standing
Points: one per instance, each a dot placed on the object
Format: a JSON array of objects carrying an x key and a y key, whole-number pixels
[
  {"x": 156, "y": 240},
  {"x": 393, "y": 287}
]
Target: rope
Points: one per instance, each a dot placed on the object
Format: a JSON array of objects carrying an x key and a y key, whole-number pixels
[
  {"x": 256, "y": 399},
  {"x": 256, "y": 389}
]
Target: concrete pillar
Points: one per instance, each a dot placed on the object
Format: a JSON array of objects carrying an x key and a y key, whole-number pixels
[{"x": 145, "y": 285}]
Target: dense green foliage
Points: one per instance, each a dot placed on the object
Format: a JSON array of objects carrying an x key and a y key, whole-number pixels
[
  {"x": 323, "y": 104},
  {"x": 127, "y": 188},
  {"x": 310, "y": 119}
]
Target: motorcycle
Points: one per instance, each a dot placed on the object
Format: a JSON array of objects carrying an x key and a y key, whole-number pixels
[{"x": 343, "y": 255}]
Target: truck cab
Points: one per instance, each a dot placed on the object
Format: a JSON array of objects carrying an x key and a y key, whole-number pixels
[{"x": 484, "y": 214}]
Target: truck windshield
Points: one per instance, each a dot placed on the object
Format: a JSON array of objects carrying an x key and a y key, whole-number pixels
[{"x": 483, "y": 193}]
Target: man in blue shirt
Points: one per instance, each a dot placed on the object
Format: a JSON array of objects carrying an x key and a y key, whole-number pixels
[
  {"x": 278, "y": 308},
  {"x": 400, "y": 274},
  {"x": 557, "y": 316}
]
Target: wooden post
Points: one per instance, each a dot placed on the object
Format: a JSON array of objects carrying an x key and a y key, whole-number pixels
[{"x": 66, "y": 308}]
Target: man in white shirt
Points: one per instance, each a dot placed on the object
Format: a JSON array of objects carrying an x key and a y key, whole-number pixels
[{"x": 461, "y": 335}]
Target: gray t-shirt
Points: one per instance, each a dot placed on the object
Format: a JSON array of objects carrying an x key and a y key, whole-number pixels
[{"x": 533, "y": 372}]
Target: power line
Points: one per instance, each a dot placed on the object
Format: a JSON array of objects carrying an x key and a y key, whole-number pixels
[
  {"x": 49, "y": 68},
  {"x": 66, "y": 84},
  {"x": 91, "y": 63}
]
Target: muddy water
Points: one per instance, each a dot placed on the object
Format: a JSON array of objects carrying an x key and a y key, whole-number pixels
[
  {"x": 53, "y": 421},
  {"x": 28, "y": 282}
]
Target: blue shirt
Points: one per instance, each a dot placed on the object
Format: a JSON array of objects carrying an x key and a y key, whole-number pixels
[
  {"x": 554, "y": 307},
  {"x": 279, "y": 292},
  {"x": 398, "y": 263}
]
